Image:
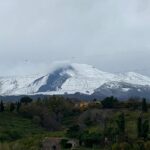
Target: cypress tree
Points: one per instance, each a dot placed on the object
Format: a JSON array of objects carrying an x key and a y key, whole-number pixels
[
  {"x": 145, "y": 129},
  {"x": 121, "y": 123},
  {"x": 144, "y": 105},
  {"x": 139, "y": 127},
  {"x": 12, "y": 107},
  {"x": 18, "y": 106},
  {"x": 1, "y": 106}
]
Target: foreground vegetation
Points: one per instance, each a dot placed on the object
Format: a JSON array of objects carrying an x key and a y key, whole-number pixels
[{"x": 108, "y": 124}]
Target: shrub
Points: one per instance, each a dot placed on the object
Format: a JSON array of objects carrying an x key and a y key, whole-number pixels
[
  {"x": 135, "y": 147},
  {"x": 74, "y": 131},
  {"x": 65, "y": 145},
  {"x": 109, "y": 102},
  {"x": 10, "y": 135},
  {"x": 125, "y": 146},
  {"x": 147, "y": 145},
  {"x": 36, "y": 119},
  {"x": 115, "y": 146},
  {"x": 140, "y": 144},
  {"x": 121, "y": 146},
  {"x": 91, "y": 139}
]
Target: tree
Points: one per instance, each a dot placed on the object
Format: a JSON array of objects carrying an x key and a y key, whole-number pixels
[
  {"x": 91, "y": 138},
  {"x": 74, "y": 131},
  {"x": 18, "y": 106},
  {"x": 133, "y": 104},
  {"x": 94, "y": 100},
  {"x": 139, "y": 127},
  {"x": 144, "y": 105},
  {"x": 12, "y": 107},
  {"x": 121, "y": 123},
  {"x": 109, "y": 102},
  {"x": 26, "y": 100},
  {"x": 1, "y": 106},
  {"x": 38, "y": 101},
  {"x": 145, "y": 129}
]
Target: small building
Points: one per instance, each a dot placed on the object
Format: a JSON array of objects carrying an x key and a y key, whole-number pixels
[
  {"x": 73, "y": 142},
  {"x": 52, "y": 143}
]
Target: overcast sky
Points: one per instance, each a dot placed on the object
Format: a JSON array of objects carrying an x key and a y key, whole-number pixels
[{"x": 112, "y": 35}]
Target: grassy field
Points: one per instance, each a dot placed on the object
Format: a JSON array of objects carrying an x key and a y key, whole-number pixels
[
  {"x": 21, "y": 134},
  {"x": 13, "y": 127}
]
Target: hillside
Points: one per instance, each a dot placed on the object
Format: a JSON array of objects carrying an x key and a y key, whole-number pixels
[{"x": 100, "y": 125}]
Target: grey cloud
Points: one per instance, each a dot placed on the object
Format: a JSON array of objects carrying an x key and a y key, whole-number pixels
[{"x": 103, "y": 33}]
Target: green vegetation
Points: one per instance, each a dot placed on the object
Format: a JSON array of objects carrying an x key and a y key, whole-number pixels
[
  {"x": 13, "y": 127},
  {"x": 100, "y": 125}
]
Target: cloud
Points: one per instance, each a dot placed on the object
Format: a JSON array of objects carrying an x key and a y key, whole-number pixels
[{"x": 103, "y": 33}]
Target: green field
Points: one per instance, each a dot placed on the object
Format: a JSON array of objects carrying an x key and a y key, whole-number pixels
[
  {"x": 18, "y": 133},
  {"x": 106, "y": 125}
]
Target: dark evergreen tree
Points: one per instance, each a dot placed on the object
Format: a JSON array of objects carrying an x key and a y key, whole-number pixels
[
  {"x": 73, "y": 131},
  {"x": 18, "y": 106},
  {"x": 144, "y": 105},
  {"x": 145, "y": 129},
  {"x": 39, "y": 101},
  {"x": 12, "y": 107},
  {"x": 109, "y": 102},
  {"x": 139, "y": 127},
  {"x": 1, "y": 106},
  {"x": 121, "y": 123},
  {"x": 94, "y": 100},
  {"x": 26, "y": 100}
]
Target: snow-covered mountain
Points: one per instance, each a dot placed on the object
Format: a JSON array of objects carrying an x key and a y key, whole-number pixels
[
  {"x": 122, "y": 90},
  {"x": 73, "y": 78}
]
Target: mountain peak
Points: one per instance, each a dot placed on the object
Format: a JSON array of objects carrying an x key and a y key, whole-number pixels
[
  {"x": 68, "y": 78},
  {"x": 134, "y": 74}
]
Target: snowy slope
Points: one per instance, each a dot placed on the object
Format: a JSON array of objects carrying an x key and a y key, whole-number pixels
[
  {"x": 69, "y": 78},
  {"x": 10, "y": 85},
  {"x": 122, "y": 90},
  {"x": 85, "y": 79}
]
